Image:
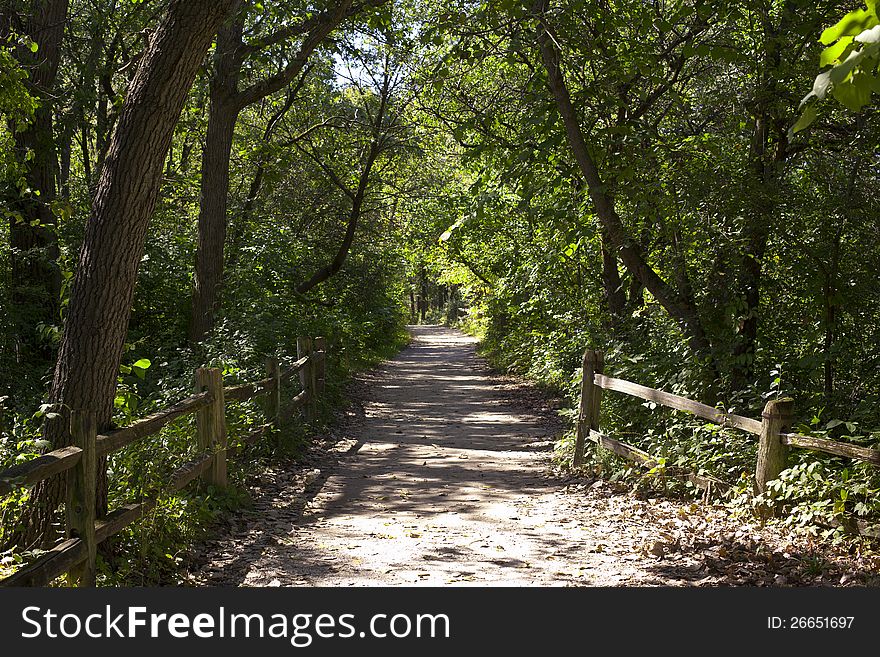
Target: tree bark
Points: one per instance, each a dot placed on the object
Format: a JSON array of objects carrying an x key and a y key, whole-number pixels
[
  {"x": 831, "y": 285},
  {"x": 212, "y": 218},
  {"x": 100, "y": 304},
  {"x": 223, "y": 111},
  {"x": 615, "y": 297}
]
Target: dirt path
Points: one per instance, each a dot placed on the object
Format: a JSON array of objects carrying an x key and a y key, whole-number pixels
[{"x": 444, "y": 479}]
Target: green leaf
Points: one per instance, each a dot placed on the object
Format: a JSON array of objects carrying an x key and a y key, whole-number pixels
[
  {"x": 869, "y": 36},
  {"x": 842, "y": 71},
  {"x": 446, "y": 235},
  {"x": 143, "y": 363},
  {"x": 820, "y": 87},
  {"x": 832, "y": 54},
  {"x": 854, "y": 94},
  {"x": 855, "y": 22},
  {"x": 805, "y": 120}
]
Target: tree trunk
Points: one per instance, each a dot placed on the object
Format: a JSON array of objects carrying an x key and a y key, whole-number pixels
[
  {"x": 85, "y": 155},
  {"x": 100, "y": 304},
  {"x": 223, "y": 111},
  {"x": 679, "y": 308},
  {"x": 767, "y": 155},
  {"x": 330, "y": 270},
  {"x": 65, "y": 154},
  {"x": 831, "y": 287},
  {"x": 615, "y": 297},
  {"x": 227, "y": 102},
  {"x": 830, "y": 321},
  {"x": 212, "y": 218}
]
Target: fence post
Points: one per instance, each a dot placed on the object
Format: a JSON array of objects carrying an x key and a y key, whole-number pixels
[
  {"x": 211, "y": 422},
  {"x": 320, "y": 365},
  {"x": 306, "y": 377},
  {"x": 273, "y": 395},
  {"x": 81, "y": 492},
  {"x": 591, "y": 398},
  {"x": 772, "y": 453}
]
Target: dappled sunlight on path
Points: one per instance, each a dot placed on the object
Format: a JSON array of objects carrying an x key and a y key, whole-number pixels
[
  {"x": 441, "y": 490},
  {"x": 444, "y": 479}
]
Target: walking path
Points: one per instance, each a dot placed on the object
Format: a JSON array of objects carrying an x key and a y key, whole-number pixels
[{"x": 445, "y": 480}]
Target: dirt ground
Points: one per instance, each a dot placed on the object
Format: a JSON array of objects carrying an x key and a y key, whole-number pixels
[{"x": 440, "y": 474}]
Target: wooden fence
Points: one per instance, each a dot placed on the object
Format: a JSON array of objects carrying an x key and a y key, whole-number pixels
[
  {"x": 772, "y": 429},
  {"x": 76, "y": 555}
]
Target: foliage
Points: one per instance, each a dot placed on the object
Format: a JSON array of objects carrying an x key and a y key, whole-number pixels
[
  {"x": 291, "y": 228},
  {"x": 853, "y": 54},
  {"x": 17, "y": 107}
]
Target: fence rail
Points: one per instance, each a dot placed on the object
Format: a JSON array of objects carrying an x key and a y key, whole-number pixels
[
  {"x": 33, "y": 472},
  {"x": 76, "y": 555},
  {"x": 772, "y": 429},
  {"x": 679, "y": 403}
]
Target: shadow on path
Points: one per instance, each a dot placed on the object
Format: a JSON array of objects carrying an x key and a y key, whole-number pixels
[{"x": 443, "y": 479}]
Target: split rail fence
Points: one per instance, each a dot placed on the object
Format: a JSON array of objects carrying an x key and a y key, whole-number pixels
[
  {"x": 76, "y": 555},
  {"x": 772, "y": 429}
]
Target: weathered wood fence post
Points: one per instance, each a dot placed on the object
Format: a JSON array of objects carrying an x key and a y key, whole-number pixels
[
  {"x": 591, "y": 398},
  {"x": 273, "y": 395},
  {"x": 772, "y": 453},
  {"x": 320, "y": 365},
  {"x": 81, "y": 492},
  {"x": 306, "y": 376},
  {"x": 211, "y": 422}
]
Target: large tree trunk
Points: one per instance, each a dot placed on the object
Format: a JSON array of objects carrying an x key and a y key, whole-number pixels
[
  {"x": 36, "y": 279},
  {"x": 230, "y": 101},
  {"x": 212, "y": 219},
  {"x": 677, "y": 305},
  {"x": 100, "y": 304},
  {"x": 764, "y": 168},
  {"x": 223, "y": 111},
  {"x": 615, "y": 297}
]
